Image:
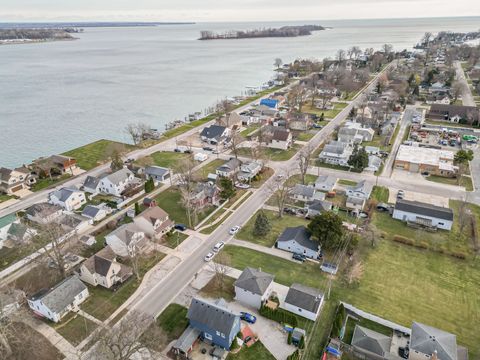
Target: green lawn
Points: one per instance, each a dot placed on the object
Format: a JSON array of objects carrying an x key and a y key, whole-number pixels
[
  {"x": 277, "y": 224},
  {"x": 264, "y": 176},
  {"x": 404, "y": 284},
  {"x": 286, "y": 272},
  {"x": 347, "y": 182},
  {"x": 4, "y": 197},
  {"x": 212, "y": 290},
  {"x": 75, "y": 328},
  {"x": 170, "y": 200},
  {"x": 249, "y": 130},
  {"x": 172, "y": 240},
  {"x": 94, "y": 154},
  {"x": 203, "y": 172},
  {"x": 306, "y": 135},
  {"x": 297, "y": 179},
  {"x": 372, "y": 325},
  {"x": 167, "y": 159},
  {"x": 328, "y": 114},
  {"x": 47, "y": 182},
  {"x": 380, "y": 194},
  {"x": 281, "y": 155},
  {"x": 255, "y": 352},
  {"x": 103, "y": 302},
  {"x": 465, "y": 181}
]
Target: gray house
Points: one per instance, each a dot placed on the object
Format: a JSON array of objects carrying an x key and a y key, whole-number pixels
[
  {"x": 157, "y": 173},
  {"x": 306, "y": 193},
  {"x": 214, "y": 134},
  {"x": 325, "y": 183},
  {"x": 229, "y": 169},
  {"x": 371, "y": 343},
  {"x": 317, "y": 207},
  {"x": 253, "y": 287},
  {"x": 427, "y": 340},
  {"x": 304, "y": 301},
  {"x": 298, "y": 240}
]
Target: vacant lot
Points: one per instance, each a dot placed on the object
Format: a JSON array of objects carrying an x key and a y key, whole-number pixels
[
  {"x": 255, "y": 352},
  {"x": 213, "y": 289},
  {"x": 209, "y": 168},
  {"x": 166, "y": 159},
  {"x": 47, "y": 182},
  {"x": 27, "y": 341},
  {"x": 277, "y": 224},
  {"x": 92, "y": 155},
  {"x": 328, "y": 114},
  {"x": 75, "y": 328}
]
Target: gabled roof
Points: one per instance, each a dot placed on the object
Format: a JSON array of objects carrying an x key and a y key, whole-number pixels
[
  {"x": 281, "y": 135},
  {"x": 90, "y": 211},
  {"x": 214, "y": 315},
  {"x": 61, "y": 295},
  {"x": 427, "y": 339},
  {"x": 304, "y": 297},
  {"x": 153, "y": 214},
  {"x": 213, "y": 131},
  {"x": 156, "y": 170},
  {"x": 91, "y": 182},
  {"x": 371, "y": 341},
  {"x": 301, "y": 235},
  {"x": 7, "y": 220},
  {"x": 320, "y": 205},
  {"x": 424, "y": 209},
  {"x": 230, "y": 165},
  {"x": 5, "y": 174},
  {"x": 18, "y": 231},
  {"x": 63, "y": 194},
  {"x": 119, "y": 176},
  {"x": 326, "y": 179},
  {"x": 42, "y": 209},
  {"x": 254, "y": 281},
  {"x": 303, "y": 190}
]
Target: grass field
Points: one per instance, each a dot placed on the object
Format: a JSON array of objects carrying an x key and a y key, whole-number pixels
[
  {"x": 347, "y": 182},
  {"x": 167, "y": 159},
  {"x": 465, "y": 181},
  {"x": 211, "y": 290},
  {"x": 255, "y": 352},
  {"x": 328, "y": 114},
  {"x": 380, "y": 194},
  {"x": 170, "y": 200},
  {"x": 75, "y": 328},
  {"x": 174, "y": 239},
  {"x": 47, "y": 182},
  {"x": 203, "y": 172},
  {"x": 92, "y": 155},
  {"x": 273, "y": 154},
  {"x": 277, "y": 224},
  {"x": 4, "y": 197}
]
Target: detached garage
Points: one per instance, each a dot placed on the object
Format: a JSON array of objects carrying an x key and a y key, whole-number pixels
[{"x": 423, "y": 214}]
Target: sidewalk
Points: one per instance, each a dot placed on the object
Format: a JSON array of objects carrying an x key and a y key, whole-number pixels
[{"x": 270, "y": 251}]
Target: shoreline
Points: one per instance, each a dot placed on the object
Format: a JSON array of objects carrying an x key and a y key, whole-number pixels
[{"x": 31, "y": 41}]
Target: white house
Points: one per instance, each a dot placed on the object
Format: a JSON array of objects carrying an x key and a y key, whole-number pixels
[
  {"x": 304, "y": 301},
  {"x": 362, "y": 190},
  {"x": 127, "y": 240},
  {"x": 96, "y": 212},
  {"x": 69, "y": 199},
  {"x": 249, "y": 170},
  {"x": 157, "y": 173},
  {"x": 43, "y": 213},
  {"x": 229, "y": 169},
  {"x": 302, "y": 192},
  {"x": 15, "y": 180},
  {"x": 154, "y": 222},
  {"x": 116, "y": 183},
  {"x": 281, "y": 139},
  {"x": 253, "y": 287},
  {"x": 57, "y": 302},
  {"x": 5, "y": 223},
  {"x": 423, "y": 214},
  {"x": 325, "y": 183},
  {"x": 336, "y": 153},
  {"x": 298, "y": 240}
]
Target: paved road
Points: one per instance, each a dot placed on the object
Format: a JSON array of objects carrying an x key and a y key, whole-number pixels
[{"x": 467, "y": 97}]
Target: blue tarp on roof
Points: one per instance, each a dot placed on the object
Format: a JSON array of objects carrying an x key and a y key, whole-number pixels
[{"x": 269, "y": 102}]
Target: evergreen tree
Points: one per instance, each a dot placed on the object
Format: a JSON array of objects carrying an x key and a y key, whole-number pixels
[
  {"x": 262, "y": 225},
  {"x": 359, "y": 158},
  {"x": 328, "y": 229},
  {"x": 289, "y": 338},
  {"x": 137, "y": 209},
  {"x": 149, "y": 185},
  {"x": 228, "y": 190},
  {"x": 301, "y": 344}
]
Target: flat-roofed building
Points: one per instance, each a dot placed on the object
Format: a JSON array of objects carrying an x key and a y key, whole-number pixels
[{"x": 421, "y": 159}]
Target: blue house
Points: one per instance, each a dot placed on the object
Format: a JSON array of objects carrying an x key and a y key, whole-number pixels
[
  {"x": 271, "y": 103},
  {"x": 214, "y": 322}
]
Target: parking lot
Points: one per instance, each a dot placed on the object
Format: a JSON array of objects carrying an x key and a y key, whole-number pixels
[{"x": 421, "y": 197}]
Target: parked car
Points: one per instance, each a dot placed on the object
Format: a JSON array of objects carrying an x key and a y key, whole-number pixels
[
  {"x": 207, "y": 148},
  {"x": 383, "y": 207},
  {"x": 234, "y": 230},
  {"x": 425, "y": 173},
  {"x": 181, "y": 227},
  {"x": 299, "y": 257},
  {"x": 177, "y": 150},
  {"x": 400, "y": 194},
  {"x": 247, "y": 339},
  {"x": 242, "y": 185},
  {"x": 188, "y": 151},
  {"x": 317, "y": 126},
  {"x": 209, "y": 256},
  {"x": 248, "y": 317},
  {"x": 218, "y": 246}
]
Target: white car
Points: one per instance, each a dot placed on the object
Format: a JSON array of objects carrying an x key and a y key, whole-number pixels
[
  {"x": 234, "y": 230},
  {"x": 209, "y": 256},
  {"x": 218, "y": 246},
  {"x": 242, "y": 186}
]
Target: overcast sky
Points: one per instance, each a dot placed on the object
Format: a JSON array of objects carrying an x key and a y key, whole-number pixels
[{"x": 229, "y": 10}]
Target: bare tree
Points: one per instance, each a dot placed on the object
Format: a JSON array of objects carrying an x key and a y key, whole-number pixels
[
  {"x": 296, "y": 97},
  {"x": 136, "y": 131},
  {"x": 457, "y": 88},
  {"x": 221, "y": 268},
  {"x": 278, "y": 62},
  {"x": 304, "y": 158},
  {"x": 340, "y": 56},
  {"x": 186, "y": 181},
  {"x": 235, "y": 140},
  {"x": 281, "y": 190}
]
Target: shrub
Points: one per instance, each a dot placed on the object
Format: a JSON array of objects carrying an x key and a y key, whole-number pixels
[
  {"x": 294, "y": 356},
  {"x": 301, "y": 345},
  {"x": 422, "y": 245},
  {"x": 458, "y": 255},
  {"x": 403, "y": 240},
  {"x": 279, "y": 315},
  {"x": 289, "y": 338}
]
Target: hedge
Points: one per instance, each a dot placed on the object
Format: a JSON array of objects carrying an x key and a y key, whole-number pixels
[{"x": 279, "y": 315}]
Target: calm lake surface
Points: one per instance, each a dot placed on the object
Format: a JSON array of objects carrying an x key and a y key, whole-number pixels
[{"x": 60, "y": 95}]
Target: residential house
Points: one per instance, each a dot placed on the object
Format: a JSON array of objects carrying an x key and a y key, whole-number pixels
[
  {"x": 253, "y": 287},
  {"x": 217, "y": 324},
  {"x": 91, "y": 184},
  {"x": 249, "y": 170},
  {"x": 157, "y": 173},
  {"x": 372, "y": 150},
  {"x": 271, "y": 103},
  {"x": 423, "y": 214},
  {"x": 127, "y": 240},
  {"x": 371, "y": 343},
  {"x": 355, "y": 133},
  {"x": 12, "y": 181},
  {"x": 281, "y": 139},
  {"x": 229, "y": 169},
  {"x": 206, "y": 194},
  {"x": 421, "y": 159},
  {"x": 443, "y": 99},
  {"x": 454, "y": 113},
  {"x": 231, "y": 120},
  {"x": 306, "y": 193},
  {"x": 154, "y": 222},
  {"x": 336, "y": 153},
  {"x": 374, "y": 163},
  {"x": 69, "y": 199},
  {"x": 438, "y": 88},
  {"x": 298, "y": 240},
  {"x": 104, "y": 270},
  {"x": 5, "y": 223},
  {"x": 266, "y": 111},
  {"x": 56, "y": 164},
  {"x": 299, "y": 121},
  {"x": 427, "y": 342},
  {"x": 72, "y": 223},
  {"x": 19, "y": 233},
  {"x": 362, "y": 190},
  {"x": 214, "y": 134},
  {"x": 318, "y": 207},
  {"x": 96, "y": 212},
  {"x": 58, "y": 301},
  {"x": 43, "y": 213},
  {"x": 325, "y": 183},
  {"x": 355, "y": 204},
  {"x": 117, "y": 182},
  {"x": 304, "y": 301}
]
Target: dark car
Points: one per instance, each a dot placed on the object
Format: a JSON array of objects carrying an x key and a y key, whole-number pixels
[
  {"x": 177, "y": 150},
  {"x": 248, "y": 317},
  {"x": 299, "y": 257},
  {"x": 207, "y": 148},
  {"x": 188, "y": 151},
  {"x": 181, "y": 227},
  {"x": 247, "y": 339}
]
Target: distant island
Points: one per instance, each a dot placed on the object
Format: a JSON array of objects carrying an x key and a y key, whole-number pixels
[
  {"x": 25, "y": 35},
  {"x": 285, "y": 31}
]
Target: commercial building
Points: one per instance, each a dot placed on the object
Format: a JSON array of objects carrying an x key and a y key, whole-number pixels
[{"x": 421, "y": 159}]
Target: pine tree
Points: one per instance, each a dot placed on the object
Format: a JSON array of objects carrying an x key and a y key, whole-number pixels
[
  {"x": 262, "y": 225},
  {"x": 289, "y": 338},
  {"x": 359, "y": 158},
  {"x": 301, "y": 344},
  {"x": 149, "y": 185},
  {"x": 228, "y": 190},
  {"x": 137, "y": 209}
]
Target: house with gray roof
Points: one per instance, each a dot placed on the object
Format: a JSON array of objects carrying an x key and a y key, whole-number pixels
[
  {"x": 336, "y": 153},
  {"x": 318, "y": 207},
  {"x": 15, "y": 180},
  {"x": 214, "y": 134},
  {"x": 302, "y": 192},
  {"x": 370, "y": 342},
  {"x": 249, "y": 170},
  {"x": 298, "y": 240},
  {"x": 423, "y": 214},
  {"x": 304, "y": 301},
  {"x": 325, "y": 183},
  {"x": 69, "y": 199},
  {"x": 215, "y": 322},
  {"x": 253, "y": 287},
  {"x": 362, "y": 189},
  {"x": 229, "y": 169},
  {"x": 425, "y": 341},
  {"x": 91, "y": 184},
  {"x": 96, "y": 212},
  {"x": 157, "y": 173},
  {"x": 117, "y": 182},
  {"x": 43, "y": 213},
  {"x": 127, "y": 240},
  {"x": 58, "y": 301}
]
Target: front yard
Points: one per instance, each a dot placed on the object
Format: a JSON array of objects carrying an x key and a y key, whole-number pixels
[
  {"x": 47, "y": 182},
  {"x": 209, "y": 168},
  {"x": 465, "y": 181},
  {"x": 166, "y": 159},
  {"x": 75, "y": 328},
  {"x": 328, "y": 114},
  {"x": 255, "y": 352},
  {"x": 213, "y": 291}
]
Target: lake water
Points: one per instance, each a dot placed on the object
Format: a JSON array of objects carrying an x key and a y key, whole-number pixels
[{"x": 60, "y": 95}]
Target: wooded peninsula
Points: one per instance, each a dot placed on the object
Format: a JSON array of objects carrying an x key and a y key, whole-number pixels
[
  {"x": 23, "y": 35},
  {"x": 285, "y": 31}
]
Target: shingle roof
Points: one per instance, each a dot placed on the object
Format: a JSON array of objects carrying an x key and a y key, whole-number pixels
[
  {"x": 320, "y": 205},
  {"x": 213, "y": 131},
  {"x": 301, "y": 235},
  {"x": 371, "y": 341},
  {"x": 281, "y": 135},
  {"x": 125, "y": 232},
  {"x": 254, "y": 281},
  {"x": 42, "y": 209},
  {"x": 61, "y": 295},
  {"x": 303, "y": 190},
  {"x": 91, "y": 182},
  {"x": 153, "y": 214},
  {"x": 424, "y": 209},
  {"x": 213, "y": 315},
  {"x": 63, "y": 194},
  {"x": 326, "y": 179},
  {"x": 156, "y": 170},
  {"x": 427, "y": 339},
  {"x": 90, "y": 211},
  {"x": 119, "y": 176},
  {"x": 304, "y": 297},
  {"x": 5, "y": 174}
]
